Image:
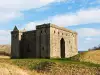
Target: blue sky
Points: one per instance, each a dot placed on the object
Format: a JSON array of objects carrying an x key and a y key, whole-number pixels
[{"x": 82, "y": 16}]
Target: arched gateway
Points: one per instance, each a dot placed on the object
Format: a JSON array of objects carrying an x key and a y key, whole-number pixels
[{"x": 62, "y": 48}]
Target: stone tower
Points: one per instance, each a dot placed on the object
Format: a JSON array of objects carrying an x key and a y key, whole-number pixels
[
  {"x": 15, "y": 43},
  {"x": 43, "y": 41},
  {"x": 47, "y": 41}
]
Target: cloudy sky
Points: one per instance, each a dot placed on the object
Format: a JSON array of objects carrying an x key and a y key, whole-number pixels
[{"x": 82, "y": 16}]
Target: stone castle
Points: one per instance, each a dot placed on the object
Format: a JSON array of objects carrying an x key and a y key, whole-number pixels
[{"x": 47, "y": 41}]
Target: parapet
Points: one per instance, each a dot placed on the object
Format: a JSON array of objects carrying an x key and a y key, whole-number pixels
[
  {"x": 43, "y": 26},
  {"x": 54, "y": 26},
  {"x": 48, "y": 25},
  {"x": 62, "y": 28}
]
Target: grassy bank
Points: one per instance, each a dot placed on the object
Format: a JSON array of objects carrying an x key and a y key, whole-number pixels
[
  {"x": 55, "y": 66},
  {"x": 88, "y": 56},
  {"x": 82, "y": 64}
]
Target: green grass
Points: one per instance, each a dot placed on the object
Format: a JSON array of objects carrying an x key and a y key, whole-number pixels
[
  {"x": 53, "y": 66},
  {"x": 32, "y": 63},
  {"x": 69, "y": 66}
]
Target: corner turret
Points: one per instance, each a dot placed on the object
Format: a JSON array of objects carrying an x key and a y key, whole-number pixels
[
  {"x": 15, "y": 43},
  {"x": 15, "y": 29}
]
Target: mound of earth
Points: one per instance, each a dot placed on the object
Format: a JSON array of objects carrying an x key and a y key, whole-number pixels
[
  {"x": 7, "y": 69},
  {"x": 52, "y": 68},
  {"x": 5, "y": 49},
  {"x": 89, "y": 56}
]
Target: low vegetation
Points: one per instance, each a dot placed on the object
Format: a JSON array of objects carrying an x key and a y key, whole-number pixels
[
  {"x": 88, "y": 56},
  {"x": 5, "y": 50},
  {"x": 95, "y": 48},
  {"x": 85, "y": 63},
  {"x": 50, "y": 67}
]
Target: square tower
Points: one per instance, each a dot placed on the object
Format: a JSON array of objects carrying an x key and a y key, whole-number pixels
[
  {"x": 63, "y": 42},
  {"x": 43, "y": 41}
]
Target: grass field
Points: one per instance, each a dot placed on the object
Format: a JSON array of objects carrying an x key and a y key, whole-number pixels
[
  {"x": 5, "y": 49},
  {"x": 88, "y": 56},
  {"x": 77, "y": 65},
  {"x": 51, "y": 67}
]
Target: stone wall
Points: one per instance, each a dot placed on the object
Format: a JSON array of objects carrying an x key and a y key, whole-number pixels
[
  {"x": 56, "y": 34},
  {"x": 28, "y": 44},
  {"x": 42, "y": 41}
]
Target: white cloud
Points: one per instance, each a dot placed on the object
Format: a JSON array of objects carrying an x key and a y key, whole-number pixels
[
  {"x": 4, "y": 32},
  {"x": 88, "y": 32},
  {"x": 80, "y": 17},
  {"x": 70, "y": 19},
  {"x": 88, "y": 39},
  {"x": 30, "y": 26},
  {"x": 9, "y": 15},
  {"x": 25, "y": 4},
  {"x": 5, "y": 37},
  {"x": 12, "y": 8}
]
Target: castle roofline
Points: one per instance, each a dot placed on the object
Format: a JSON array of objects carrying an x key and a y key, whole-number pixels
[
  {"x": 54, "y": 26},
  {"x": 62, "y": 28},
  {"x": 47, "y": 25}
]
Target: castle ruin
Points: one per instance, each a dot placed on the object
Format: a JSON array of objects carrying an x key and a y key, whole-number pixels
[{"x": 47, "y": 41}]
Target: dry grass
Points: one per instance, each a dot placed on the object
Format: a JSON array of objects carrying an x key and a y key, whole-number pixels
[
  {"x": 66, "y": 69},
  {"x": 52, "y": 66},
  {"x": 56, "y": 67},
  {"x": 6, "y": 49},
  {"x": 89, "y": 56},
  {"x": 4, "y": 57},
  {"x": 7, "y": 69}
]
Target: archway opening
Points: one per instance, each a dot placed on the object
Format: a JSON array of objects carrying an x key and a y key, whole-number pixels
[{"x": 62, "y": 48}]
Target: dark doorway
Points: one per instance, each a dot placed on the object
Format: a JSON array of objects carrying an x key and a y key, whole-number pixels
[{"x": 62, "y": 48}]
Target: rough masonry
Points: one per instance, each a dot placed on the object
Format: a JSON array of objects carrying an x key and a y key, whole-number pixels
[{"x": 47, "y": 41}]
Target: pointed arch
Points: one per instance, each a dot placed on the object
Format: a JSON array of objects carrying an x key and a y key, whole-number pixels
[{"x": 62, "y": 48}]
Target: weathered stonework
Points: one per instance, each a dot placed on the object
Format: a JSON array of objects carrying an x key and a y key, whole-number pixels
[{"x": 47, "y": 41}]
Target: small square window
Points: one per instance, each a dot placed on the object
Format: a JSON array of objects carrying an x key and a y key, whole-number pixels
[{"x": 41, "y": 31}]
